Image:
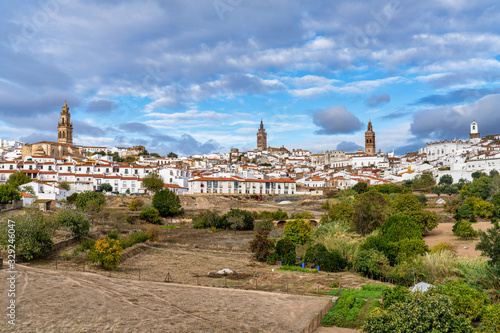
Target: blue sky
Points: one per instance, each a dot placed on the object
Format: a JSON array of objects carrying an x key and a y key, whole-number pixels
[{"x": 197, "y": 76}]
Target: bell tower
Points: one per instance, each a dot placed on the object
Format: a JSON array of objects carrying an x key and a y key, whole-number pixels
[
  {"x": 65, "y": 127},
  {"x": 370, "y": 140},
  {"x": 474, "y": 131},
  {"x": 261, "y": 137}
]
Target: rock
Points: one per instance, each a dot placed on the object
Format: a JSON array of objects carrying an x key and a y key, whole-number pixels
[
  {"x": 284, "y": 202},
  {"x": 466, "y": 247},
  {"x": 225, "y": 271}
]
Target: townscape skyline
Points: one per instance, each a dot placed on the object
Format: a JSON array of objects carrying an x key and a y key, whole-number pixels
[{"x": 198, "y": 77}]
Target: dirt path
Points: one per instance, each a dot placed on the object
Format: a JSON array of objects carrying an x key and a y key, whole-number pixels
[
  {"x": 68, "y": 301},
  {"x": 443, "y": 233}
]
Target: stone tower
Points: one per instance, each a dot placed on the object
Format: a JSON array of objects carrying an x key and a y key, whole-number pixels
[
  {"x": 65, "y": 127},
  {"x": 370, "y": 140},
  {"x": 261, "y": 138},
  {"x": 474, "y": 131}
]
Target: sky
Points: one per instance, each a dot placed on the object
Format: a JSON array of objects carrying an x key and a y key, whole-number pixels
[{"x": 198, "y": 76}]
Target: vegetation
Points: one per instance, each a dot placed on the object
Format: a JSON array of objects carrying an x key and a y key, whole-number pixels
[
  {"x": 106, "y": 252},
  {"x": 463, "y": 229},
  {"x": 151, "y": 215},
  {"x": 134, "y": 238},
  {"x": 8, "y": 193},
  {"x": 329, "y": 261},
  {"x": 135, "y": 204},
  {"x": 65, "y": 185},
  {"x": 31, "y": 237},
  {"x": 285, "y": 252},
  {"x": 106, "y": 187},
  {"x": 261, "y": 246},
  {"x": 489, "y": 245},
  {"x": 297, "y": 269},
  {"x": 369, "y": 212},
  {"x": 152, "y": 182},
  {"x": 298, "y": 231},
  {"x": 75, "y": 221},
  {"x": 90, "y": 200},
  {"x": 166, "y": 202},
  {"x": 17, "y": 179}
]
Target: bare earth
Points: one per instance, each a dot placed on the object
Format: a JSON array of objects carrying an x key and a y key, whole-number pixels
[
  {"x": 443, "y": 233},
  {"x": 68, "y": 301}
]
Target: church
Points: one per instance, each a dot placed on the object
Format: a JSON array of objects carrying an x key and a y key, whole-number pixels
[{"x": 63, "y": 147}]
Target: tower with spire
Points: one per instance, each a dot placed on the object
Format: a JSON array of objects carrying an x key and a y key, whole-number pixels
[
  {"x": 370, "y": 140},
  {"x": 261, "y": 137},
  {"x": 474, "y": 131},
  {"x": 65, "y": 127}
]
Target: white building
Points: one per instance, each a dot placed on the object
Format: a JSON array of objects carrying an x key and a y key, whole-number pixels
[
  {"x": 45, "y": 191},
  {"x": 238, "y": 185}
]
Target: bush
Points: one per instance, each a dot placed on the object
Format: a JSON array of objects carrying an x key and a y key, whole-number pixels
[
  {"x": 298, "y": 231},
  {"x": 329, "y": 261},
  {"x": 166, "y": 202},
  {"x": 76, "y": 222},
  {"x": 136, "y": 237},
  {"x": 135, "y": 204},
  {"x": 238, "y": 219},
  {"x": 443, "y": 246},
  {"x": 207, "y": 220},
  {"x": 398, "y": 294},
  {"x": 371, "y": 263},
  {"x": 265, "y": 224},
  {"x": 115, "y": 234},
  {"x": 72, "y": 198},
  {"x": 90, "y": 199},
  {"x": 31, "y": 237},
  {"x": 490, "y": 322},
  {"x": 369, "y": 212},
  {"x": 422, "y": 199},
  {"x": 340, "y": 211},
  {"x": 297, "y": 269},
  {"x": 420, "y": 313},
  {"x": 302, "y": 215},
  {"x": 105, "y": 187},
  {"x": 150, "y": 215},
  {"x": 489, "y": 244},
  {"x": 285, "y": 251},
  {"x": 261, "y": 246},
  {"x": 106, "y": 252},
  {"x": 9, "y": 193},
  {"x": 464, "y": 230},
  {"x": 465, "y": 300},
  {"x": 153, "y": 233},
  {"x": 399, "y": 227}
]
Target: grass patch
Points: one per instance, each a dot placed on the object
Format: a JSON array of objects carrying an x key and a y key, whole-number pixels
[
  {"x": 368, "y": 291},
  {"x": 136, "y": 237},
  {"x": 298, "y": 269},
  {"x": 170, "y": 227}
]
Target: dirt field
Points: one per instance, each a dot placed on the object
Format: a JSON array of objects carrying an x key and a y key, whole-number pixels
[
  {"x": 443, "y": 233},
  {"x": 64, "y": 301}
]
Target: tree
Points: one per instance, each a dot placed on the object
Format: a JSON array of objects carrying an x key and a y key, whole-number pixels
[
  {"x": 424, "y": 181},
  {"x": 65, "y": 186},
  {"x": 152, "y": 182},
  {"x": 489, "y": 244},
  {"x": 106, "y": 187},
  {"x": 476, "y": 174},
  {"x": 261, "y": 246},
  {"x": 341, "y": 211},
  {"x": 409, "y": 205},
  {"x": 17, "y": 179},
  {"x": 150, "y": 215},
  {"x": 89, "y": 199},
  {"x": 446, "y": 180},
  {"x": 31, "y": 235},
  {"x": 172, "y": 154},
  {"x": 480, "y": 187},
  {"x": 8, "y": 193},
  {"x": 369, "y": 212},
  {"x": 298, "y": 231},
  {"x": 106, "y": 252},
  {"x": 167, "y": 202},
  {"x": 360, "y": 187},
  {"x": 238, "y": 219},
  {"x": 77, "y": 223}
]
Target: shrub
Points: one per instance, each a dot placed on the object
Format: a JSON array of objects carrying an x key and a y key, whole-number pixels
[
  {"x": 106, "y": 252},
  {"x": 72, "y": 198},
  {"x": 443, "y": 246},
  {"x": 104, "y": 187},
  {"x": 329, "y": 261},
  {"x": 285, "y": 251},
  {"x": 360, "y": 187},
  {"x": 238, "y": 219},
  {"x": 90, "y": 199},
  {"x": 298, "y": 231},
  {"x": 336, "y": 236},
  {"x": 371, "y": 263},
  {"x": 152, "y": 182},
  {"x": 399, "y": 227},
  {"x": 420, "y": 313},
  {"x": 406, "y": 273},
  {"x": 31, "y": 236},
  {"x": 464, "y": 230},
  {"x": 150, "y": 215},
  {"x": 422, "y": 199},
  {"x": 302, "y": 215},
  {"x": 265, "y": 224},
  {"x": 115, "y": 234},
  {"x": 409, "y": 205},
  {"x": 208, "y": 219},
  {"x": 166, "y": 202},
  {"x": 134, "y": 238},
  {"x": 135, "y": 204},
  {"x": 465, "y": 300},
  {"x": 340, "y": 211},
  {"x": 76, "y": 222},
  {"x": 398, "y": 294},
  {"x": 153, "y": 233},
  {"x": 489, "y": 244},
  {"x": 490, "y": 322},
  {"x": 261, "y": 246},
  {"x": 408, "y": 248}
]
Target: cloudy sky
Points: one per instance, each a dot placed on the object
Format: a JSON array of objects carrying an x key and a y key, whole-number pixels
[{"x": 197, "y": 76}]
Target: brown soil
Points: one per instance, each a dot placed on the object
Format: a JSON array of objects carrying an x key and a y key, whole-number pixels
[
  {"x": 68, "y": 301},
  {"x": 443, "y": 233}
]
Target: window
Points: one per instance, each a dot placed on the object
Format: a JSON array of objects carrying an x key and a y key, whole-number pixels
[
  {"x": 31, "y": 167},
  {"x": 69, "y": 169},
  {"x": 50, "y": 167},
  {"x": 107, "y": 170},
  {"x": 136, "y": 172},
  {"x": 126, "y": 171},
  {"x": 11, "y": 167},
  {"x": 124, "y": 184}
]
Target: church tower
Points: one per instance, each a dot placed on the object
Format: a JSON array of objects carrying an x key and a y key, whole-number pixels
[
  {"x": 261, "y": 138},
  {"x": 370, "y": 140},
  {"x": 474, "y": 131},
  {"x": 65, "y": 127}
]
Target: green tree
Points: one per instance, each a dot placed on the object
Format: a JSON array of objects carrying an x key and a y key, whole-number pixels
[
  {"x": 424, "y": 181},
  {"x": 167, "y": 202},
  {"x": 285, "y": 251},
  {"x": 489, "y": 245},
  {"x": 88, "y": 199},
  {"x": 480, "y": 187},
  {"x": 172, "y": 154},
  {"x": 261, "y": 246},
  {"x": 19, "y": 178},
  {"x": 152, "y": 182},
  {"x": 31, "y": 235},
  {"x": 298, "y": 231},
  {"x": 360, "y": 187},
  {"x": 369, "y": 212},
  {"x": 409, "y": 205},
  {"x": 8, "y": 193},
  {"x": 65, "y": 185},
  {"x": 341, "y": 211},
  {"x": 106, "y": 187},
  {"x": 75, "y": 221},
  {"x": 446, "y": 180},
  {"x": 238, "y": 219},
  {"x": 476, "y": 174}
]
